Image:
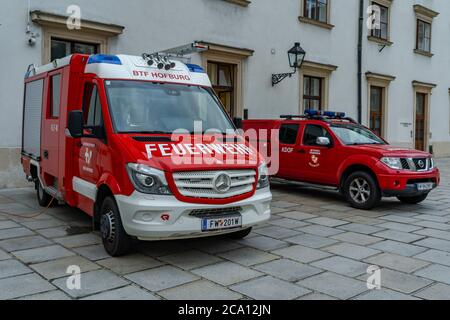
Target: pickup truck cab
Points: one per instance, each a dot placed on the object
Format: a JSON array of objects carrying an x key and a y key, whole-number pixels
[{"x": 330, "y": 149}]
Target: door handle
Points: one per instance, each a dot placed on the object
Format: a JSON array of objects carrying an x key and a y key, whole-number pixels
[
  {"x": 301, "y": 151},
  {"x": 46, "y": 154}
]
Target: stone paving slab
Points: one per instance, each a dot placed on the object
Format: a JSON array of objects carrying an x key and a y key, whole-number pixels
[
  {"x": 436, "y": 292},
  {"x": 161, "y": 278},
  {"x": 92, "y": 282},
  {"x": 288, "y": 270},
  {"x": 268, "y": 288},
  {"x": 342, "y": 288},
  {"x": 42, "y": 254},
  {"x": 436, "y": 256},
  {"x": 248, "y": 256},
  {"x": 352, "y": 251},
  {"x": 302, "y": 254},
  {"x": 29, "y": 284},
  {"x": 400, "y": 282},
  {"x": 227, "y": 273},
  {"x": 129, "y": 264},
  {"x": 125, "y": 293},
  {"x": 200, "y": 290},
  {"x": 10, "y": 268},
  {"x": 436, "y": 272},
  {"x": 58, "y": 268},
  {"x": 190, "y": 259},
  {"x": 397, "y": 262},
  {"x": 396, "y": 247}
]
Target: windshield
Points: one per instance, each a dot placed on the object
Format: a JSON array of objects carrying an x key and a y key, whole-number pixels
[
  {"x": 355, "y": 135},
  {"x": 145, "y": 107}
]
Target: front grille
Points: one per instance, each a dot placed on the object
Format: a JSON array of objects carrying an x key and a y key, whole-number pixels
[
  {"x": 199, "y": 184},
  {"x": 421, "y": 163},
  {"x": 405, "y": 164},
  {"x": 204, "y": 213},
  {"x": 416, "y": 164}
]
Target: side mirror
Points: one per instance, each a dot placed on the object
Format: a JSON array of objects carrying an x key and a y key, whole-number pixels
[
  {"x": 75, "y": 124},
  {"x": 323, "y": 141},
  {"x": 238, "y": 123}
]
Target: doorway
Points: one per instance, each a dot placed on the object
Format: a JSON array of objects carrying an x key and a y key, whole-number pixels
[
  {"x": 420, "y": 121},
  {"x": 223, "y": 79}
]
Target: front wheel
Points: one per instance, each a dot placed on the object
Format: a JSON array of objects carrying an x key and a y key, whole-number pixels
[
  {"x": 115, "y": 240},
  {"x": 362, "y": 191},
  {"x": 413, "y": 200},
  {"x": 241, "y": 234}
]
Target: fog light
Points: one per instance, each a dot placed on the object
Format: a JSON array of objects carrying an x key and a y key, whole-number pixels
[{"x": 147, "y": 217}]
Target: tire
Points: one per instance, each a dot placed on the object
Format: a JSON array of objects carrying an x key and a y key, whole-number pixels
[
  {"x": 241, "y": 234},
  {"x": 43, "y": 197},
  {"x": 362, "y": 191},
  {"x": 413, "y": 200},
  {"x": 115, "y": 240}
]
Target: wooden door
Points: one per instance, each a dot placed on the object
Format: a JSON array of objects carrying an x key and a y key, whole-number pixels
[{"x": 420, "y": 121}]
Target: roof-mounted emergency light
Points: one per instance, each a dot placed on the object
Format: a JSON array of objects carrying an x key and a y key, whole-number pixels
[{"x": 104, "y": 58}]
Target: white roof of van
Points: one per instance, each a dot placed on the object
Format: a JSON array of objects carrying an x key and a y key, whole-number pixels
[
  {"x": 137, "y": 68},
  {"x": 129, "y": 67}
]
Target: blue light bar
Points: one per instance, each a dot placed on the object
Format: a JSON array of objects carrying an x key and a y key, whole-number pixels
[
  {"x": 333, "y": 114},
  {"x": 309, "y": 112},
  {"x": 104, "y": 58},
  {"x": 195, "y": 68}
]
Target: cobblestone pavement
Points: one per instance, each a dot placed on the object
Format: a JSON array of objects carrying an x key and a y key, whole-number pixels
[{"x": 315, "y": 247}]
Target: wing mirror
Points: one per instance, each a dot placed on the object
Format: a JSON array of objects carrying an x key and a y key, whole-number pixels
[
  {"x": 75, "y": 125},
  {"x": 323, "y": 141}
]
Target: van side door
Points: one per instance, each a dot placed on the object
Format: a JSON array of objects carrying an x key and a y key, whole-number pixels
[
  {"x": 92, "y": 145},
  {"x": 51, "y": 130}
]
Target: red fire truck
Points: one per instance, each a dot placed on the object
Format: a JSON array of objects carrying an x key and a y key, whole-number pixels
[
  {"x": 330, "y": 149},
  {"x": 98, "y": 134}
]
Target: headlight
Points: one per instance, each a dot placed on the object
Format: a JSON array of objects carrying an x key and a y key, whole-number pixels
[
  {"x": 393, "y": 163},
  {"x": 431, "y": 163},
  {"x": 263, "y": 174},
  {"x": 148, "y": 180}
]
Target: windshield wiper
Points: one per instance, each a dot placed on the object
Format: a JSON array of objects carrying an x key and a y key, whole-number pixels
[{"x": 146, "y": 132}]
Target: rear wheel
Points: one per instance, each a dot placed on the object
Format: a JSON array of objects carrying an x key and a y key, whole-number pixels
[
  {"x": 413, "y": 200},
  {"x": 362, "y": 191},
  {"x": 43, "y": 197},
  {"x": 241, "y": 234},
  {"x": 115, "y": 240}
]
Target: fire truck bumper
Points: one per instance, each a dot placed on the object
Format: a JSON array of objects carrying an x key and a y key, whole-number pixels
[{"x": 152, "y": 217}]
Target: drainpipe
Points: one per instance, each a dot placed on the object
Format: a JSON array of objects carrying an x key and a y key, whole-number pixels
[{"x": 360, "y": 40}]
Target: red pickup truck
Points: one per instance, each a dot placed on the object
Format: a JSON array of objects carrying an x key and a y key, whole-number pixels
[{"x": 330, "y": 149}]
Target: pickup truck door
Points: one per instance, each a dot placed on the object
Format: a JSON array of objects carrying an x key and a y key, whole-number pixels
[
  {"x": 318, "y": 164},
  {"x": 289, "y": 158}
]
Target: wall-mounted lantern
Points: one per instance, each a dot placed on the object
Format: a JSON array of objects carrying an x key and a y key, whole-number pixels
[{"x": 296, "y": 57}]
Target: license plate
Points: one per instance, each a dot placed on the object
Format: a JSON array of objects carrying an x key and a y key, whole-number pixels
[
  {"x": 214, "y": 224},
  {"x": 424, "y": 186}
]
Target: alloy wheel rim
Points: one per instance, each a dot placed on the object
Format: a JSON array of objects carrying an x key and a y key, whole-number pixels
[{"x": 360, "y": 190}]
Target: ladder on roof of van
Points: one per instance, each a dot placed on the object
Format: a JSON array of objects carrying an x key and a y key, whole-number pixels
[{"x": 181, "y": 52}]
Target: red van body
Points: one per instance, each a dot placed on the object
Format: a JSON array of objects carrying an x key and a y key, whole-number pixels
[
  {"x": 332, "y": 150},
  {"x": 120, "y": 167}
]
